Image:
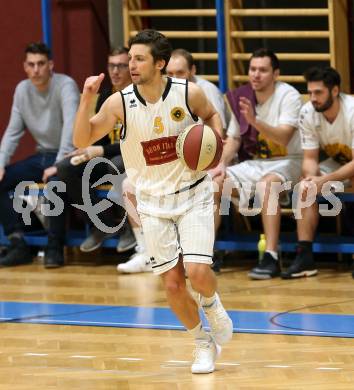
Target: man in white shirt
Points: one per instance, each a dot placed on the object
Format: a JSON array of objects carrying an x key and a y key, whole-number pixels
[
  {"x": 326, "y": 123},
  {"x": 266, "y": 138}
]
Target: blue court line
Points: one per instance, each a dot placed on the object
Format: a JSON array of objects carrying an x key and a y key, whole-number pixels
[{"x": 331, "y": 325}]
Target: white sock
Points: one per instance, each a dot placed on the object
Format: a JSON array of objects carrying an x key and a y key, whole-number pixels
[
  {"x": 208, "y": 301},
  {"x": 139, "y": 236},
  {"x": 273, "y": 254},
  {"x": 199, "y": 333}
]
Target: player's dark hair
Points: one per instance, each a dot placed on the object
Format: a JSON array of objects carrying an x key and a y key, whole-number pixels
[
  {"x": 186, "y": 55},
  {"x": 328, "y": 75},
  {"x": 38, "y": 48},
  {"x": 263, "y": 52},
  {"x": 160, "y": 47}
]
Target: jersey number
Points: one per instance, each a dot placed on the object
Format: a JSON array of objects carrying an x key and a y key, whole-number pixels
[{"x": 158, "y": 125}]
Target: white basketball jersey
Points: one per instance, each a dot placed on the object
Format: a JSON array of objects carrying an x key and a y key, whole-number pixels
[{"x": 149, "y": 137}]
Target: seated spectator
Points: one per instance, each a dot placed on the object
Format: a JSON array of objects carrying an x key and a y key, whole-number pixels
[
  {"x": 326, "y": 123},
  {"x": 181, "y": 65},
  {"x": 45, "y": 104},
  {"x": 268, "y": 147},
  {"x": 108, "y": 147}
]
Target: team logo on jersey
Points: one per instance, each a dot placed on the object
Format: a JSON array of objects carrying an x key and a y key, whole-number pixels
[
  {"x": 339, "y": 152},
  {"x": 132, "y": 103},
  {"x": 152, "y": 260},
  {"x": 177, "y": 114}
]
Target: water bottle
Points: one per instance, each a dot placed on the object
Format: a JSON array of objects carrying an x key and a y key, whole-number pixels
[{"x": 261, "y": 247}]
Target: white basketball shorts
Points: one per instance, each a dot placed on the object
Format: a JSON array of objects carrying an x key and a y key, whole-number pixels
[
  {"x": 190, "y": 234},
  {"x": 252, "y": 171}
]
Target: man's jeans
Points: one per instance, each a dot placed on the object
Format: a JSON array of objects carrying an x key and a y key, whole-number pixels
[{"x": 31, "y": 168}]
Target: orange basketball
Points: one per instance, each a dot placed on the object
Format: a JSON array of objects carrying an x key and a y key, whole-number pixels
[{"x": 199, "y": 147}]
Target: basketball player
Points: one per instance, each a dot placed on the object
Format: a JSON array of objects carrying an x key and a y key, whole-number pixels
[
  {"x": 181, "y": 65},
  {"x": 175, "y": 204}
]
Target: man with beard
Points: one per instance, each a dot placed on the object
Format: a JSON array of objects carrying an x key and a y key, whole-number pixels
[{"x": 327, "y": 123}]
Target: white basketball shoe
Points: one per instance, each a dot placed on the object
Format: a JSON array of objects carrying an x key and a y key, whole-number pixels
[
  {"x": 219, "y": 321},
  {"x": 205, "y": 355},
  {"x": 139, "y": 262}
]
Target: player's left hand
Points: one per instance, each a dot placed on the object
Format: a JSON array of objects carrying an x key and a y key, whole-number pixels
[{"x": 49, "y": 172}]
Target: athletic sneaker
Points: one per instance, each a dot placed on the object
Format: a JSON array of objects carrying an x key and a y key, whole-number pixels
[
  {"x": 205, "y": 355},
  {"x": 267, "y": 268},
  {"x": 18, "y": 253},
  {"x": 303, "y": 265},
  {"x": 94, "y": 240},
  {"x": 126, "y": 240},
  {"x": 219, "y": 321},
  {"x": 139, "y": 262}
]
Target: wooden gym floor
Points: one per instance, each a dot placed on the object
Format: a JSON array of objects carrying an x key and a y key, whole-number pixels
[{"x": 295, "y": 334}]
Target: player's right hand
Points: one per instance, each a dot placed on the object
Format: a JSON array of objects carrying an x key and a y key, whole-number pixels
[
  {"x": 2, "y": 173},
  {"x": 92, "y": 84}
]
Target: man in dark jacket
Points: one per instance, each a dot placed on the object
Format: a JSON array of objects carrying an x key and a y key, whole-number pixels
[{"x": 70, "y": 170}]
